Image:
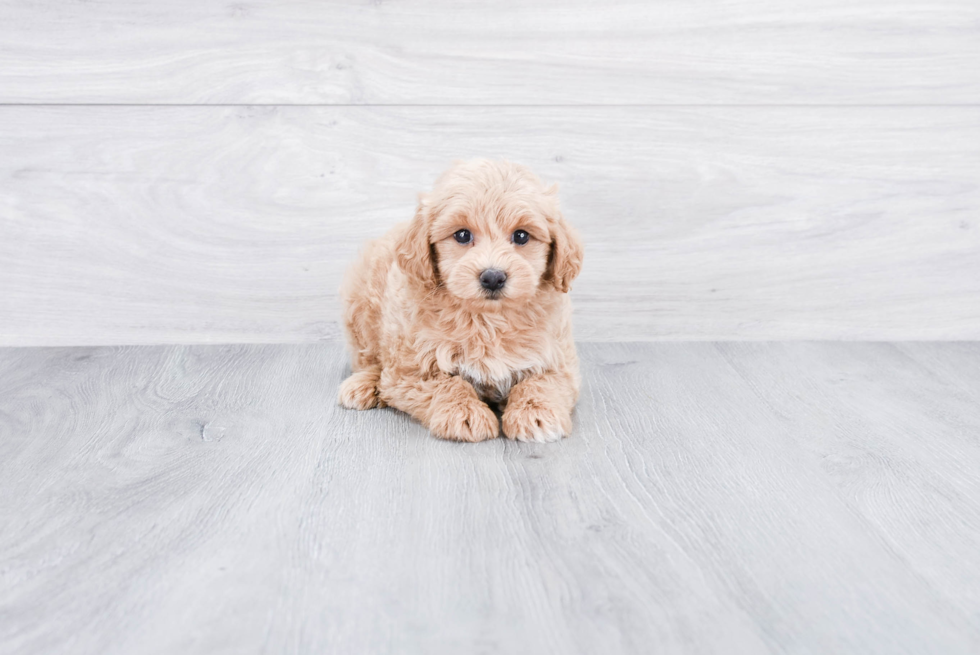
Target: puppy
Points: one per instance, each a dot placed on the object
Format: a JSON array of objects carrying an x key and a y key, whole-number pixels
[{"x": 467, "y": 305}]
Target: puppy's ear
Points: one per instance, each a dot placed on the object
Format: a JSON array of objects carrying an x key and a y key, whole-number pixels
[
  {"x": 565, "y": 260},
  {"x": 414, "y": 252}
]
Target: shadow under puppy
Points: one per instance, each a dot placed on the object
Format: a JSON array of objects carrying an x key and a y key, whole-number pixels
[{"x": 467, "y": 305}]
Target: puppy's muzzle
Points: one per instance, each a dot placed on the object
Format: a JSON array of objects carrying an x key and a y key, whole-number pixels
[{"x": 493, "y": 279}]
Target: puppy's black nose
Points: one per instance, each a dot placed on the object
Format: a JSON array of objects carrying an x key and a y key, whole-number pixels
[{"x": 493, "y": 279}]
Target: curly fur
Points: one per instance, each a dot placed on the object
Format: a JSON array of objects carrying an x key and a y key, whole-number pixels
[{"x": 427, "y": 339}]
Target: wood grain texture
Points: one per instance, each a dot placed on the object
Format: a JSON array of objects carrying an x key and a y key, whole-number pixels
[
  {"x": 476, "y": 53},
  {"x": 129, "y": 225},
  {"x": 750, "y": 498}
]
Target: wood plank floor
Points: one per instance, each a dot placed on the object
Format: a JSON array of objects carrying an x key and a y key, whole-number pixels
[{"x": 738, "y": 497}]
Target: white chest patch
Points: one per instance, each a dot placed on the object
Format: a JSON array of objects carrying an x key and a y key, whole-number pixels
[
  {"x": 492, "y": 386},
  {"x": 494, "y": 369},
  {"x": 493, "y": 377}
]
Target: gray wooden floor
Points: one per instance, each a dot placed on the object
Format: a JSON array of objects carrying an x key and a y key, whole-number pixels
[{"x": 739, "y": 497}]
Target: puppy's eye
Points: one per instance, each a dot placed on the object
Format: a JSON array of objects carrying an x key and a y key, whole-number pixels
[
  {"x": 463, "y": 236},
  {"x": 521, "y": 237}
]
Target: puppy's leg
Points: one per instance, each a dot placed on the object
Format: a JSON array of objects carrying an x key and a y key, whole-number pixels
[
  {"x": 539, "y": 408},
  {"x": 360, "y": 390},
  {"x": 448, "y": 405}
]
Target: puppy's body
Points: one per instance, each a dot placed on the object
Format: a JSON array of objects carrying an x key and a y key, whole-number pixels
[{"x": 432, "y": 336}]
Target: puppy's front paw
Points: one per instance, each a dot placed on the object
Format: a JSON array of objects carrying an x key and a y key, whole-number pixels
[
  {"x": 360, "y": 390},
  {"x": 470, "y": 420},
  {"x": 536, "y": 420}
]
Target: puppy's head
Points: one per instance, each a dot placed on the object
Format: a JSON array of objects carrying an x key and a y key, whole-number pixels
[{"x": 489, "y": 233}]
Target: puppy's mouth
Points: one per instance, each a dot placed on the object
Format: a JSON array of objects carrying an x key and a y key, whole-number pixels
[{"x": 493, "y": 295}]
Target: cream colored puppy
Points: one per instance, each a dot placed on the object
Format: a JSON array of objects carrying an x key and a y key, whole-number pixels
[{"x": 467, "y": 305}]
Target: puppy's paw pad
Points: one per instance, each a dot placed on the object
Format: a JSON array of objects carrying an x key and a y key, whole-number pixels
[
  {"x": 472, "y": 421},
  {"x": 536, "y": 422},
  {"x": 359, "y": 391}
]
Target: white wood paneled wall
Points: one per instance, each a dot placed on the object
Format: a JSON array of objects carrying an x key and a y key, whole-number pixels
[
  {"x": 512, "y": 52},
  {"x": 195, "y": 172}
]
